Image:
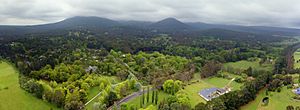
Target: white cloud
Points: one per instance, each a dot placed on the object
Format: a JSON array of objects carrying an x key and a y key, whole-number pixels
[{"x": 246, "y": 12}]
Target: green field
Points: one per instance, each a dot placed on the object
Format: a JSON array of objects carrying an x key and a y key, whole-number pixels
[
  {"x": 278, "y": 101},
  {"x": 193, "y": 89},
  {"x": 244, "y": 64},
  {"x": 12, "y": 97},
  {"x": 296, "y": 57}
]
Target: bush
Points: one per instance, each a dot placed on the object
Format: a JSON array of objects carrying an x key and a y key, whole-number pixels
[
  {"x": 239, "y": 80},
  {"x": 279, "y": 89},
  {"x": 289, "y": 86}
]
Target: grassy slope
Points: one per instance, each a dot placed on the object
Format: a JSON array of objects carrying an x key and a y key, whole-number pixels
[
  {"x": 296, "y": 57},
  {"x": 278, "y": 101},
  {"x": 14, "y": 98}
]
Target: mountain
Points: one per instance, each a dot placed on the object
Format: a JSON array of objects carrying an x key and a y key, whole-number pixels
[
  {"x": 170, "y": 24},
  {"x": 81, "y": 21},
  {"x": 74, "y": 23}
]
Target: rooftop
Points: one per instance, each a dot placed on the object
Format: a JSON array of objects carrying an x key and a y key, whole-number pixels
[{"x": 211, "y": 93}]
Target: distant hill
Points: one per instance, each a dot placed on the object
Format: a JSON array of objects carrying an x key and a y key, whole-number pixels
[
  {"x": 80, "y": 21},
  {"x": 170, "y": 24}
]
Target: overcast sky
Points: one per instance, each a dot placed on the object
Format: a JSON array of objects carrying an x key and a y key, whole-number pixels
[{"x": 285, "y": 13}]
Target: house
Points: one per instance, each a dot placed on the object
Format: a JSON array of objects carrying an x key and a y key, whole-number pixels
[
  {"x": 91, "y": 69},
  {"x": 297, "y": 91},
  {"x": 211, "y": 93}
]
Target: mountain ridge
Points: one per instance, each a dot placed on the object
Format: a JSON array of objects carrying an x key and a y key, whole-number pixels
[{"x": 167, "y": 25}]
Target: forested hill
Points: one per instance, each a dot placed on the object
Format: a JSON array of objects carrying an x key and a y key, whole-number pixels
[{"x": 104, "y": 26}]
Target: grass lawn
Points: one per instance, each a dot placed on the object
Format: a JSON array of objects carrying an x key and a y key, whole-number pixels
[
  {"x": 297, "y": 57},
  {"x": 244, "y": 64},
  {"x": 136, "y": 101},
  {"x": 221, "y": 82},
  {"x": 278, "y": 101},
  {"x": 12, "y": 97},
  {"x": 193, "y": 89}
]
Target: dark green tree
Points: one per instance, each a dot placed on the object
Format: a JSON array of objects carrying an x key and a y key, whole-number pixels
[{"x": 148, "y": 94}]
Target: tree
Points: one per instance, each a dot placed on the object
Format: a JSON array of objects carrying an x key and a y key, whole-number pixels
[
  {"x": 216, "y": 104},
  {"x": 96, "y": 106},
  {"x": 99, "y": 106},
  {"x": 74, "y": 105},
  {"x": 200, "y": 106},
  {"x": 153, "y": 96},
  {"x": 210, "y": 68},
  {"x": 182, "y": 98},
  {"x": 148, "y": 94},
  {"x": 168, "y": 86},
  {"x": 141, "y": 102},
  {"x": 175, "y": 106},
  {"x": 289, "y": 107},
  {"x": 297, "y": 108},
  {"x": 59, "y": 97},
  {"x": 34, "y": 87},
  {"x": 156, "y": 97},
  {"x": 112, "y": 97},
  {"x": 83, "y": 95},
  {"x": 299, "y": 78},
  {"x": 177, "y": 85},
  {"x": 124, "y": 106},
  {"x": 143, "y": 99},
  {"x": 249, "y": 71},
  {"x": 172, "y": 87}
]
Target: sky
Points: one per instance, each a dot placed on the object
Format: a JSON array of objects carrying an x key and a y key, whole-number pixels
[{"x": 280, "y": 13}]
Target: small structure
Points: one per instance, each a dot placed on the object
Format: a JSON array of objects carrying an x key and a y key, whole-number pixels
[
  {"x": 91, "y": 69},
  {"x": 265, "y": 101},
  {"x": 211, "y": 93},
  {"x": 297, "y": 91}
]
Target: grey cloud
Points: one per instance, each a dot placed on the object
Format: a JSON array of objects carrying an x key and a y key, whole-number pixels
[{"x": 284, "y": 13}]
